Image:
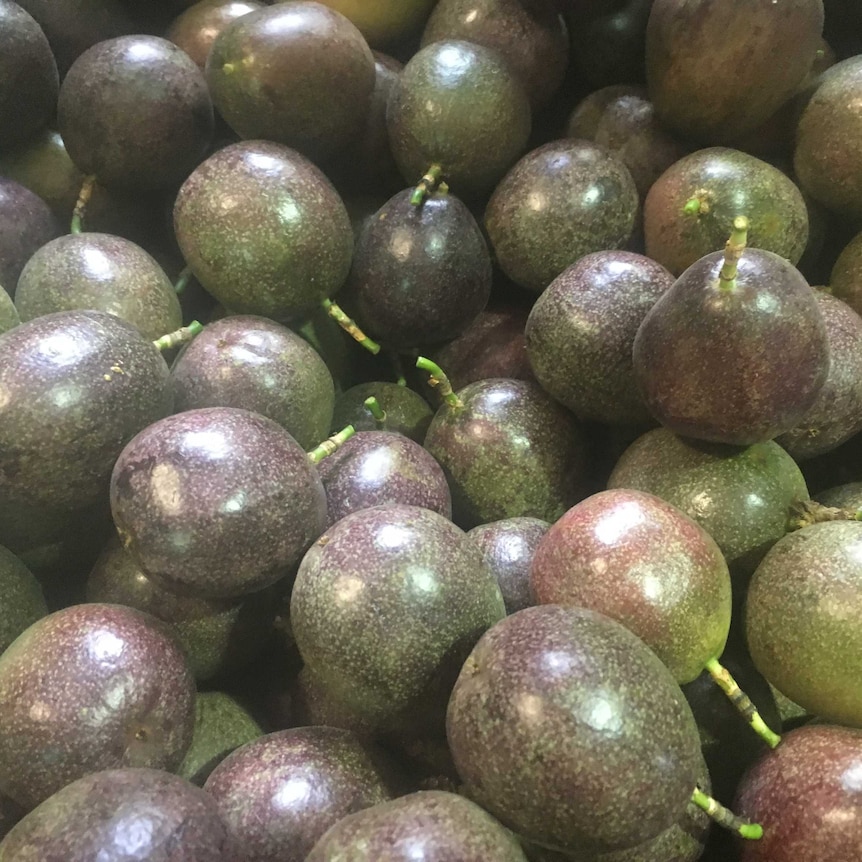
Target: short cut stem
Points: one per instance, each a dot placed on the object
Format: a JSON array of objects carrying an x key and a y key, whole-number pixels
[
  {"x": 348, "y": 324},
  {"x": 80, "y": 210},
  {"x": 331, "y": 444},
  {"x": 182, "y": 280},
  {"x": 723, "y": 679},
  {"x": 374, "y": 408},
  {"x": 180, "y": 336},
  {"x": 427, "y": 184},
  {"x": 725, "y": 817},
  {"x": 439, "y": 379},
  {"x": 733, "y": 250}
]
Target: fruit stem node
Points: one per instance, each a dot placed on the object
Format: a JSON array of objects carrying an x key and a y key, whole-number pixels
[
  {"x": 439, "y": 380},
  {"x": 331, "y": 444},
  {"x": 80, "y": 209},
  {"x": 348, "y": 324},
  {"x": 427, "y": 184},
  {"x": 733, "y": 250},
  {"x": 725, "y": 817},
  {"x": 807, "y": 512},
  {"x": 179, "y": 336}
]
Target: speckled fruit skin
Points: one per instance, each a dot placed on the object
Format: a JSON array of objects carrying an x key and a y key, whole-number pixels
[
  {"x": 386, "y": 606},
  {"x": 384, "y": 22},
  {"x": 432, "y": 823},
  {"x": 279, "y": 794},
  {"x": 742, "y": 498},
  {"x": 23, "y": 602},
  {"x": 848, "y": 496},
  {"x": 559, "y": 202},
  {"x": 406, "y": 411},
  {"x": 728, "y": 183},
  {"x": 828, "y": 155},
  {"x": 698, "y": 326},
  {"x": 256, "y": 364},
  {"x": 420, "y": 274},
  {"x": 311, "y": 704},
  {"x": 100, "y": 272},
  {"x": 575, "y": 690},
  {"x": 77, "y": 386},
  {"x": 299, "y": 74},
  {"x": 701, "y": 58},
  {"x": 28, "y": 72},
  {"x": 803, "y": 619},
  {"x": 91, "y": 687},
  {"x": 581, "y": 329},
  {"x": 377, "y": 467},
  {"x": 508, "y": 547},
  {"x": 805, "y": 794},
  {"x": 8, "y": 313},
  {"x": 637, "y": 559},
  {"x": 217, "y": 635},
  {"x": 846, "y": 278},
  {"x": 109, "y": 815},
  {"x": 535, "y": 43},
  {"x": 836, "y": 415},
  {"x": 263, "y": 230},
  {"x": 135, "y": 111},
  {"x": 458, "y": 105},
  {"x": 216, "y": 502},
  {"x": 26, "y": 224},
  {"x": 510, "y": 451}
]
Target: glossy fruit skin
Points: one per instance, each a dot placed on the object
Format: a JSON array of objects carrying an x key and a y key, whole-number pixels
[
  {"x": 406, "y": 411},
  {"x": 803, "y": 613},
  {"x": 78, "y": 385},
  {"x": 256, "y": 364},
  {"x": 252, "y": 787},
  {"x": 728, "y": 183},
  {"x": 384, "y": 22},
  {"x": 420, "y": 274},
  {"x": 101, "y": 272},
  {"x": 100, "y": 816},
  {"x": 135, "y": 111},
  {"x": 558, "y": 684},
  {"x": 581, "y": 329},
  {"x": 91, "y": 687},
  {"x": 638, "y": 560},
  {"x": 281, "y": 210},
  {"x": 742, "y": 498},
  {"x": 846, "y": 277},
  {"x": 432, "y": 823},
  {"x": 702, "y": 56},
  {"x": 298, "y": 74},
  {"x": 460, "y": 106},
  {"x": 698, "y": 325},
  {"x": 561, "y": 201},
  {"x": 29, "y": 82},
  {"x": 216, "y": 502},
  {"x": 385, "y": 607},
  {"x": 805, "y": 794}
]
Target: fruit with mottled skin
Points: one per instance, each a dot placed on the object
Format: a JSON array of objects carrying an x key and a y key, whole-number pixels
[
  {"x": 508, "y": 451},
  {"x": 91, "y": 687},
  {"x": 846, "y": 278},
  {"x": 581, "y": 329},
  {"x": 458, "y": 105},
  {"x": 385, "y": 608},
  {"x": 117, "y": 812},
  {"x": 724, "y": 183},
  {"x": 8, "y": 312},
  {"x": 374, "y": 468},
  {"x": 100, "y": 272},
  {"x": 256, "y": 364},
  {"x": 263, "y": 230},
  {"x": 278, "y": 794},
  {"x": 560, "y": 202},
  {"x": 23, "y": 601},
  {"x": 311, "y": 705},
  {"x": 406, "y": 411},
  {"x": 76, "y": 387},
  {"x": 508, "y": 547},
  {"x": 384, "y": 22},
  {"x": 297, "y": 73},
  {"x": 805, "y": 794},
  {"x": 803, "y": 619},
  {"x": 848, "y": 496},
  {"x": 573, "y": 688},
  {"x": 135, "y": 111},
  {"x": 216, "y": 502},
  {"x": 742, "y": 497},
  {"x": 434, "y": 824}
]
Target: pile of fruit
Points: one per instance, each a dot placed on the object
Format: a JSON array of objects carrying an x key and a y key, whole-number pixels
[{"x": 431, "y": 431}]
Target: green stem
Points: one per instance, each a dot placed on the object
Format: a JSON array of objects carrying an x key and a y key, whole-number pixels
[
  {"x": 180, "y": 336},
  {"x": 81, "y": 204},
  {"x": 331, "y": 444},
  {"x": 439, "y": 379},
  {"x": 427, "y": 184},
  {"x": 692, "y": 207},
  {"x": 722, "y": 678},
  {"x": 349, "y": 326},
  {"x": 398, "y": 368},
  {"x": 725, "y": 817},
  {"x": 182, "y": 280},
  {"x": 732, "y": 253},
  {"x": 375, "y": 409}
]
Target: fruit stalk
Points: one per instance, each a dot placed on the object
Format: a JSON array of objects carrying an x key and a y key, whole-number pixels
[
  {"x": 723, "y": 679},
  {"x": 81, "y": 204},
  {"x": 439, "y": 379},
  {"x": 732, "y": 253},
  {"x": 182, "y": 280},
  {"x": 725, "y": 817},
  {"x": 427, "y": 184},
  {"x": 348, "y": 324},
  {"x": 179, "y": 336},
  {"x": 331, "y": 444},
  {"x": 375, "y": 409},
  {"x": 808, "y": 512}
]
